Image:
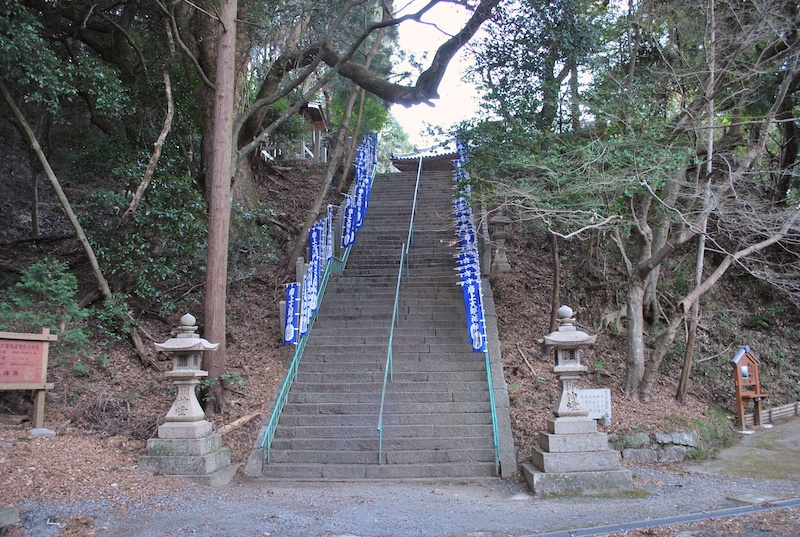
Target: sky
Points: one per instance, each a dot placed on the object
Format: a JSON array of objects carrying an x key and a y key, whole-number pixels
[{"x": 458, "y": 99}]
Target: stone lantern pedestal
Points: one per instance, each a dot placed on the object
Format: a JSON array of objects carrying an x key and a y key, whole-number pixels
[
  {"x": 573, "y": 457},
  {"x": 186, "y": 445}
]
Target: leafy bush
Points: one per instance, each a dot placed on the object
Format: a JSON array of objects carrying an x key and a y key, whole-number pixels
[
  {"x": 45, "y": 298},
  {"x": 162, "y": 247}
]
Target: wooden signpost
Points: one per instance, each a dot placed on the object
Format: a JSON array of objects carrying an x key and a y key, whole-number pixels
[
  {"x": 748, "y": 385},
  {"x": 23, "y": 366}
]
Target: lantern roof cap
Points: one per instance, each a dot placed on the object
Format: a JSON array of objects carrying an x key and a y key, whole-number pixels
[
  {"x": 567, "y": 334},
  {"x": 187, "y": 339}
]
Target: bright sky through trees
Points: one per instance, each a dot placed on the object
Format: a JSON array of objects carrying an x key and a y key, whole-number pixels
[{"x": 458, "y": 99}]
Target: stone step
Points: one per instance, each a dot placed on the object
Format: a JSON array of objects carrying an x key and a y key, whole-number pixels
[
  {"x": 401, "y": 378},
  {"x": 389, "y": 420},
  {"x": 398, "y": 431},
  {"x": 396, "y": 386},
  {"x": 399, "y": 366},
  {"x": 337, "y": 472},
  {"x": 399, "y": 403},
  {"x": 389, "y": 443},
  {"x": 416, "y": 457},
  {"x": 315, "y": 354}
]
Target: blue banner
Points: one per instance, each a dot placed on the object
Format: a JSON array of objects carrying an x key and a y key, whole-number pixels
[
  {"x": 473, "y": 306},
  {"x": 290, "y": 329},
  {"x": 349, "y": 228}
]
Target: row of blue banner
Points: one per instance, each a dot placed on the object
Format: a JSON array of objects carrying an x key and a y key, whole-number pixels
[
  {"x": 302, "y": 298},
  {"x": 468, "y": 268}
]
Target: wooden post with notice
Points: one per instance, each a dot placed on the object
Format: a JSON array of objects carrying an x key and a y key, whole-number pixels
[
  {"x": 748, "y": 384},
  {"x": 23, "y": 366}
]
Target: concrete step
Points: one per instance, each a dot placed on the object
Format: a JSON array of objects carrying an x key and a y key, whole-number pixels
[
  {"x": 317, "y": 472},
  {"x": 401, "y": 378},
  {"x": 415, "y": 457},
  {"x": 389, "y": 420},
  {"x": 442, "y": 403},
  {"x": 398, "y": 431}
]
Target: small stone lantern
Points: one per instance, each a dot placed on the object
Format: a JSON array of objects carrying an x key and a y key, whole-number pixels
[
  {"x": 573, "y": 458},
  {"x": 499, "y": 223},
  {"x": 186, "y": 445},
  {"x": 568, "y": 341},
  {"x": 187, "y": 357}
]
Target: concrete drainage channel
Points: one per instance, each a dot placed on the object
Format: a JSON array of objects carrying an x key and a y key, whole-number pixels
[{"x": 672, "y": 521}]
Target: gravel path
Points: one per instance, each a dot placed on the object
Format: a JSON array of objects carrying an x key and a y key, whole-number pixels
[
  {"x": 494, "y": 508},
  {"x": 491, "y": 508}
]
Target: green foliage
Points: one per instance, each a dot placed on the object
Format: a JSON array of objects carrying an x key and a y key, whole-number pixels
[
  {"x": 45, "y": 298},
  {"x": 27, "y": 60},
  {"x": 161, "y": 247},
  {"x": 111, "y": 320},
  {"x": 289, "y": 132},
  {"x": 251, "y": 244}
]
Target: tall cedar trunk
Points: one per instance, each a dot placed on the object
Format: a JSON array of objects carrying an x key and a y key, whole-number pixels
[
  {"x": 556, "y": 296},
  {"x": 575, "y": 100},
  {"x": 219, "y": 183},
  {"x": 635, "y": 360}
]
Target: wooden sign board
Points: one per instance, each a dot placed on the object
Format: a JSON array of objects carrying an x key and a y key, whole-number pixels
[{"x": 23, "y": 366}]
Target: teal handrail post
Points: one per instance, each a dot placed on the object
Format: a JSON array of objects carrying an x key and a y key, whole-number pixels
[
  {"x": 495, "y": 431},
  {"x": 388, "y": 370}
]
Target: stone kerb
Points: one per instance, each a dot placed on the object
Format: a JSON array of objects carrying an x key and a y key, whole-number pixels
[{"x": 674, "y": 446}]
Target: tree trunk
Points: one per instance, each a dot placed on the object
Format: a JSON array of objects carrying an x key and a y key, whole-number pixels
[
  {"x": 351, "y": 150},
  {"x": 151, "y": 166},
  {"x": 333, "y": 162},
  {"x": 34, "y": 194},
  {"x": 575, "y": 100},
  {"x": 661, "y": 349},
  {"x": 102, "y": 284},
  {"x": 556, "y": 296},
  {"x": 219, "y": 210},
  {"x": 635, "y": 359}
]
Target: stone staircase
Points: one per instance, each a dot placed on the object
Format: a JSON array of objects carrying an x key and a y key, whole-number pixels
[{"x": 437, "y": 416}]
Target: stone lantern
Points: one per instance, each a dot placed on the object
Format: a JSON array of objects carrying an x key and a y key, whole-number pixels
[
  {"x": 568, "y": 341},
  {"x": 186, "y": 446},
  {"x": 573, "y": 458},
  {"x": 187, "y": 349},
  {"x": 499, "y": 223}
]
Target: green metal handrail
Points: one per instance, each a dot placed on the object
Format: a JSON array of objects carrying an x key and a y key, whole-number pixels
[
  {"x": 410, "y": 238},
  {"x": 291, "y": 374},
  {"x": 495, "y": 431},
  {"x": 388, "y": 370}
]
